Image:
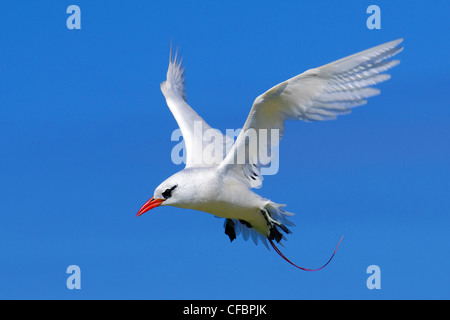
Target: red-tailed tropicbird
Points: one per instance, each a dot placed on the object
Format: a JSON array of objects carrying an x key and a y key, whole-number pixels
[{"x": 218, "y": 183}]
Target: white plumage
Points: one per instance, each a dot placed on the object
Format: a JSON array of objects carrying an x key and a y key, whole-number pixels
[{"x": 218, "y": 183}]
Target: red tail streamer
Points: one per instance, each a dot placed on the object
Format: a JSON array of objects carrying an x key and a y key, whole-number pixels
[{"x": 305, "y": 269}]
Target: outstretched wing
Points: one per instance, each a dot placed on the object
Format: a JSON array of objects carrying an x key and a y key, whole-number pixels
[
  {"x": 204, "y": 146},
  {"x": 317, "y": 94}
]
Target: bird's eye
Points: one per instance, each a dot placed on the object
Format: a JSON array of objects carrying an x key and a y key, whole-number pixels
[{"x": 168, "y": 193}]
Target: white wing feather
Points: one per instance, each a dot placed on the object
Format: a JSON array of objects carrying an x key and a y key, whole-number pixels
[
  {"x": 317, "y": 94},
  {"x": 192, "y": 126}
]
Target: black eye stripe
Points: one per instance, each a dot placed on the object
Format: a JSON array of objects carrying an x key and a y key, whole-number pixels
[{"x": 168, "y": 193}]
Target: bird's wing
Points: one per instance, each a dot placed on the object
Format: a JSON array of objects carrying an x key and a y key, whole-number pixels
[
  {"x": 315, "y": 95},
  {"x": 204, "y": 146}
]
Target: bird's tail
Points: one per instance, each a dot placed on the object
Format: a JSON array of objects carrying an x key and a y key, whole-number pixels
[
  {"x": 278, "y": 220},
  {"x": 301, "y": 268}
]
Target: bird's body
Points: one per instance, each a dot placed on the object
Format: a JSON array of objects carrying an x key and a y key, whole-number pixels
[
  {"x": 212, "y": 191},
  {"x": 220, "y": 182}
]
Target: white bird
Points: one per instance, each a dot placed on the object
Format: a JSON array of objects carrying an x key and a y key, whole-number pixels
[{"x": 219, "y": 184}]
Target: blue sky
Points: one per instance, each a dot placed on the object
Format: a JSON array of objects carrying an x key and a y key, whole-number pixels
[{"x": 85, "y": 139}]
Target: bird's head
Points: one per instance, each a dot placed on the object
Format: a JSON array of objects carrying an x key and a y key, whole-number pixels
[{"x": 172, "y": 192}]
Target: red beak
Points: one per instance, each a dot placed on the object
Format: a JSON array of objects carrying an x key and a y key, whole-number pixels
[{"x": 150, "y": 204}]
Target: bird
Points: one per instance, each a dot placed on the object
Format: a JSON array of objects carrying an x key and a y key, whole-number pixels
[{"x": 221, "y": 183}]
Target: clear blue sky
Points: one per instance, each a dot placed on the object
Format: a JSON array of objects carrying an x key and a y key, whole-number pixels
[{"x": 85, "y": 139}]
